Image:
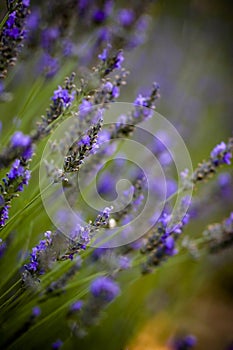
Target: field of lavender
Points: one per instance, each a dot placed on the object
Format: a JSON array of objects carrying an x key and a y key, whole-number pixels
[{"x": 116, "y": 179}]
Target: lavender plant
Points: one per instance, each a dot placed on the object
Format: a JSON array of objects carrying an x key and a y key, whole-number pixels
[{"x": 98, "y": 198}]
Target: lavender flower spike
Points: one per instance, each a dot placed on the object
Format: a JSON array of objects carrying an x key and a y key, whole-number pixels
[{"x": 12, "y": 35}]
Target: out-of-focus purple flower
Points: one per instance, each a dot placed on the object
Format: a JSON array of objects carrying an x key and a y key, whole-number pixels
[
  {"x": 224, "y": 179},
  {"x": 115, "y": 92},
  {"x": 2, "y": 245},
  {"x": 126, "y": 17},
  {"x": 106, "y": 184},
  {"x": 84, "y": 108},
  {"x": 20, "y": 140},
  {"x": 49, "y": 36},
  {"x": 104, "y": 55},
  {"x": 184, "y": 343},
  {"x": 68, "y": 48},
  {"x": 48, "y": 65},
  {"x": 26, "y": 3},
  {"x": 33, "y": 20},
  {"x": 104, "y": 288},
  {"x": 77, "y": 306},
  {"x": 124, "y": 262},
  {"x": 99, "y": 16},
  {"x": 57, "y": 344},
  {"x": 36, "y": 311}
]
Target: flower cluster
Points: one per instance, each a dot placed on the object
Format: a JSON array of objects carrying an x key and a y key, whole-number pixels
[
  {"x": 37, "y": 254},
  {"x": 221, "y": 154},
  {"x": 161, "y": 241},
  {"x": 143, "y": 109},
  {"x": 12, "y": 35},
  {"x": 220, "y": 235},
  {"x": 17, "y": 177}
]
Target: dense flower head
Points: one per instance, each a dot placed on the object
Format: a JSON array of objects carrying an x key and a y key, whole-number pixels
[
  {"x": 64, "y": 96},
  {"x": 17, "y": 172},
  {"x": 4, "y": 215},
  {"x": 220, "y": 154},
  {"x": 33, "y": 265},
  {"x": 104, "y": 288}
]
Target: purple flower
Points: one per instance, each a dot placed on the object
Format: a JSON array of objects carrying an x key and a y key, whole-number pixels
[
  {"x": 11, "y": 19},
  {"x": 124, "y": 262},
  {"x": 99, "y": 16},
  {"x": 119, "y": 59},
  {"x": 26, "y": 3},
  {"x": 20, "y": 140},
  {"x": 36, "y": 311},
  {"x": 115, "y": 92},
  {"x": 185, "y": 343},
  {"x": 17, "y": 170},
  {"x": 77, "y": 306},
  {"x": 33, "y": 265},
  {"x": 220, "y": 154},
  {"x": 48, "y": 65},
  {"x": 170, "y": 245},
  {"x": 126, "y": 17},
  {"x": 85, "y": 141},
  {"x": 4, "y": 215},
  {"x": 104, "y": 55},
  {"x": 64, "y": 96},
  {"x": 57, "y": 344},
  {"x": 68, "y": 48},
  {"x": 2, "y": 201},
  {"x": 84, "y": 108},
  {"x": 108, "y": 87},
  {"x": 33, "y": 20},
  {"x": 2, "y": 247},
  {"x": 49, "y": 36},
  {"x": 104, "y": 288}
]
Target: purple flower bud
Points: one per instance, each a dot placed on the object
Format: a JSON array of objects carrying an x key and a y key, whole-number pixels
[
  {"x": 85, "y": 141},
  {"x": 124, "y": 263},
  {"x": 119, "y": 59},
  {"x": 104, "y": 288},
  {"x": 63, "y": 95},
  {"x": 126, "y": 17},
  {"x": 57, "y": 344},
  {"x": 77, "y": 306},
  {"x": 20, "y": 140},
  {"x": 36, "y": 311}
]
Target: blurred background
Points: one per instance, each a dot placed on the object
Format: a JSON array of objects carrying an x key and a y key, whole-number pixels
[{"x": 189, "y": 53}]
